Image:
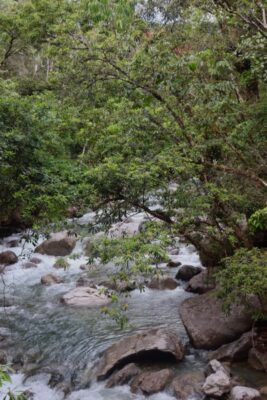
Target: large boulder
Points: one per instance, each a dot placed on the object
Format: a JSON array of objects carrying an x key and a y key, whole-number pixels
[
  {"x": 234, "y": 351},
  {"x": 208, "y": 326},
  {"x": 201, "y": 283},
  {"x": 85, "y": 296},
  {"x": 163, "y": 282},
  {"x": 158, "y": 344},
  {"x": 187, "y": 272},
  {"x": 124, "y": 376},
  {"x": 189, "y": 385},
  {"x": 244, "y": 393},
  {"x": 60, "y": 244},
  {"x": 8, "y": 257},
  {"x": 152, "y": 382},
  {"x": 218, "y": 383}
]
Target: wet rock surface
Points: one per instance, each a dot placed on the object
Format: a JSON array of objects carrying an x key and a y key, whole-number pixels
[
  {"x": 51, "y": 279},
  {"x": 60, "y": 244},
  {"x": 125, "y": 375},
  {"x": 173, "y": 264},
  {"x": 152, "y": 382},
  {"x": 189, "y": 385},
  {"x": 85, "y": 297},
  {"x": 158, "y": 344},
  {"x": 187, "y": 272},
  {"x": 28, "y": 264},
  {"x": 201, "y": 283},
  {"x": 244, "y": 393},
  {"x": 8, "y": 257},
  {"x": 218, "y": 383},
  {"x": 163, "y": 282},
  {"x": 234, "y": 351},
  {"x": 208, "y": 326}
]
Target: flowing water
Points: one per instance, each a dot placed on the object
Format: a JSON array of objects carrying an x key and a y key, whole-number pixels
[{"x": 69, "y": 341}]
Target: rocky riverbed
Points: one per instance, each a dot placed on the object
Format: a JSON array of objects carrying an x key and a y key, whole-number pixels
[{"x": 53, "y": 334}]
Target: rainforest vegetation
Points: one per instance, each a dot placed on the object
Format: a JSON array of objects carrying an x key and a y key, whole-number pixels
[{"x": 108, "y": 104}]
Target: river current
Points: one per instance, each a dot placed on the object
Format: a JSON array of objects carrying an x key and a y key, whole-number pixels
[{"x": 68, "y": 341}]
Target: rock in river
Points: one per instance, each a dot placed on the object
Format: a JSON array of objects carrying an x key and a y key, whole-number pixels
[
  {"x": 158, "y": 344},
  {"x": 244, "y": 393},
  {"x": 123, "y": 376},
  {"x": 218, "y": 383},
  {"x": 234, "y": 351},
  {"x": 51, "y": 279},
  {"x": 152, "y": 382},
  {"x": 85, "y": 296},
  {"x": 186, "y": 272},
  {"x": 60, "y": 244},
  {"x": 8, "y": 257},
  {"x": 201, "y": 283},
  {"x": 163, "y": 282},
  {"x": 208, "y": 326},
  {"x": 189, "y": 385}
]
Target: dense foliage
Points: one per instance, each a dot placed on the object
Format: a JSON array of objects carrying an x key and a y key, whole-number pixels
[{"x": 119, "y": 104}]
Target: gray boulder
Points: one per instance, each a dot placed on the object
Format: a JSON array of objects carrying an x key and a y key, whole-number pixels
[
  {"x": 208, "y": 326},
  {"x": 218, "y": 383},
  {"x": 244, "y": 393},
  {"x": 60, "y": 244},
  {"x": 86, "y": 297},
  {"x": 234, "y": 351},
  {"x": 187, "y": 272},
  {"x": 201, "y": 283},
  {"x": 152, "y": 382},
  {"x": 163, "y": 282},
  {"x": 158, "y": 343}
]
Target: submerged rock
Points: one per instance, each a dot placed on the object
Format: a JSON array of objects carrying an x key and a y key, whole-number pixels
[
  {"x": 152, "y": 382},
  {"x": 28, "y": 265},
  {"x": 123, "y": 376},
  {"x": 155, "y": 344},
  {"x": 85, "y": 296},
  {"x": 13, "y": 243},
  {"x": 35, "y": 260},
  {"x": 234, "y": 351},
  {"x": 60, "y": 244},
  {"x": 51, "y": 279},
  {"x": 186, "y": 272},
  {"x": 208, "y": 326},
  {"x": 8, "y": 257},
  {"x": 244, "y": 393},
  {"x": 163, "y": 282}
]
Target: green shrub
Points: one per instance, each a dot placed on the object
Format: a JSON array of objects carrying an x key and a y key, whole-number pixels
[{"x": 243, "y": 280}]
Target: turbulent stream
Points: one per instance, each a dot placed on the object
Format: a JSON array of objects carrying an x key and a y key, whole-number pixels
[{"x": 67, "y": 342}]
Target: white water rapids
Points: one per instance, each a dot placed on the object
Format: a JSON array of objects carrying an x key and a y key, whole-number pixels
[{"x": 71, "y": 340}]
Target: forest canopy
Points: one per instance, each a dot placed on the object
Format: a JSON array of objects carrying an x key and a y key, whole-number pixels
[{"x": 108, "y": 104}]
